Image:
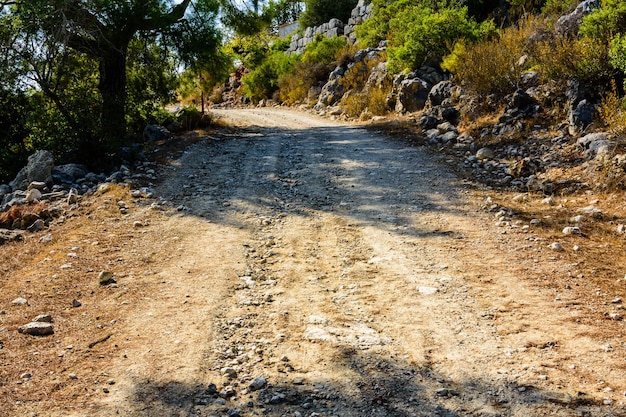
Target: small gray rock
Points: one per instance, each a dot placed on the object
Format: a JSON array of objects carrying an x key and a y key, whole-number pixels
[
  {"x": 37, "y": 329},
  {"x": 72, "y": 196},
  {"x": 33, "y": 195},
  {"x": 257, "y": 383},
  {"x": 106, "y": 278},
  {"x": 427, "y": 290},
  {"x": 43, "y": 318},
  {"x": 37, "y": 226},
  {"x": 556, "y": 246},
  {"x": 591, "y": 211},
  {"x": 20, "y": 301},
  {"x": 228, "y": 392},
  {"x": 229, "y": 372},
  {"x": 485, "y": 153}
]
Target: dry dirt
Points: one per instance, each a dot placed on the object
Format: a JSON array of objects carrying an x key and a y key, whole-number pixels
[{"x": 352, "y": 272}]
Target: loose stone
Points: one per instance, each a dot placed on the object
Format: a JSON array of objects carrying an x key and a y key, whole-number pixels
[
  {"x": 257, "y": 383},
  {"x": 485, "y": 153},
  {"x": 427, "y": 290},
  {"x": 106, "y": 278},
  {"x": 20, "y": 301},
  {"x": 43, "y": 318},
  {"x": 229, "y": 372},
  {"x": 556, "y": 246},
  {"x": 37, "y": 329}
]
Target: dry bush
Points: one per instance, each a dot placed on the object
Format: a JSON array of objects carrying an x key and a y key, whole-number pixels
[
  {"x": 562, "y": 58},
  {"x": 612, "y": 111},
  {"x": 491, "y": 67},
  {"x": 361, "y": 97},
  {"x": 294, "y": 86}
]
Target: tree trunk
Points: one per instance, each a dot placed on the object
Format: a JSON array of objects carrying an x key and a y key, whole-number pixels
[{"x": 112, "y": 88}]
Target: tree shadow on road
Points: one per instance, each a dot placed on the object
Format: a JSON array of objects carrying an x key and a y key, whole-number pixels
[
  {"x": 371, "y": 385},
  {"x": 369, "y": 178}
]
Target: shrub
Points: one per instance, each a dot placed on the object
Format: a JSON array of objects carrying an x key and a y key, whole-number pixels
[
  {"x": 492, "y": 67},
  {"x": 557, "y": 8},
  {"x": 361, "y": 97},
  {"x": 191, "y": 118},
  {"x": 315, "y": 64},
  {"x": 421, "y": 36},
  {"x": 324, "y": 50},
  {"x": 262, "y": 82},
  {"x": 489, "y": 67},
  {"x": 612, "y": 111},
  {"x": 606, "y": 22},
  {"x": 376, "y": 29}
]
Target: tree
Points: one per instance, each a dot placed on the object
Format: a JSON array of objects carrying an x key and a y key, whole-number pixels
[{"x": 102, "y": 30}]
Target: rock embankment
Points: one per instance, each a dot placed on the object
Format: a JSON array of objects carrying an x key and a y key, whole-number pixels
[
  {"x": 43, "y": 192},
  {"x": 334, "y": 27}
]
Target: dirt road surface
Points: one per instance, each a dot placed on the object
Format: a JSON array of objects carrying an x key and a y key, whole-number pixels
[{"x": 319, "y": 269}]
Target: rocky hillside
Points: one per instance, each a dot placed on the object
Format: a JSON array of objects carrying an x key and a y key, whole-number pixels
[{"x": 523, "y": 141}]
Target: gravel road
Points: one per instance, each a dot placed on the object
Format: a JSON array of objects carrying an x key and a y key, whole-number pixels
[{"x": 324, "y": 270}]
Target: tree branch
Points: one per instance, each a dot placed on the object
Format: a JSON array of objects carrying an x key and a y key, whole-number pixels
[{"x": 165, "y": 20}]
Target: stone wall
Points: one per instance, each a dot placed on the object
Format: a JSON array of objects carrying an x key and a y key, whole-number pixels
[{"x": 334, "y": 27}]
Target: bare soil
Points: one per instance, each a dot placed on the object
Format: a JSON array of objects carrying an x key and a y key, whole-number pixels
[{"x": 356, "y": 274}]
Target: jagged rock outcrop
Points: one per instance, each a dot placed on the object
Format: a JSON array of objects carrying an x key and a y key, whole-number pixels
[
  {"x": 410, "y": 91},
  {"x": 569, "y": 24},
  {"x": 39, "y": 168}
]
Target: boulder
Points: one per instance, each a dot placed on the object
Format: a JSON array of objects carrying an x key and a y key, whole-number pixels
[
  {"x": 39, "y": 168},
  {"x": 569, "y": 24},
  {"x": 155, "y": 133},
  {"x": 69, "y": 173},
  {"x": 429, "y": 74},
  {"x": 449, "y": 114},
  {"x": 428, "y": 122},
  {"x": 412, "y": 94},
  {"x": 37, "y": 328},
  {"x": 521, "y": 100},
  {"x": 594, "y": 145},
  {"x": 20, "y": 182},
  {"x": 440, "y": 91},
  {"x": 331, "y": 93},
  {"x": 581, "y": 115}
]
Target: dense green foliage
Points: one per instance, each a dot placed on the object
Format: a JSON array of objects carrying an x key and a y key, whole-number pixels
[
  {"x": 318, "y": 12},
  {"x": 419, "y": 32},
  {"x": 278, "y": 70},
  {"x": 262, "y": 82},
  {"x": 422, "y": 35},
  {"x": 81, "y": 88},
  {"x": 94, "y": 72}
]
